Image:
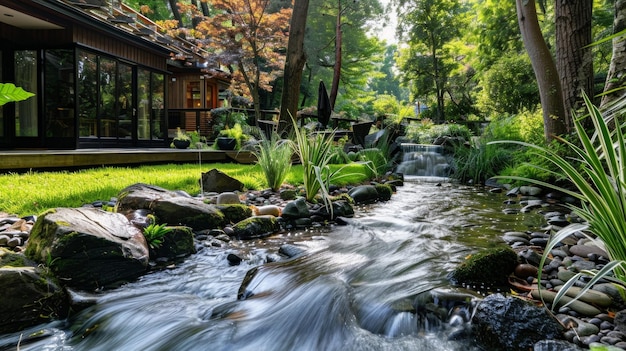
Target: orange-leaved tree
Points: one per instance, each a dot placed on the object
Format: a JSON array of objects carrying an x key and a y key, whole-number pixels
[{"x": 249, "y": 38}]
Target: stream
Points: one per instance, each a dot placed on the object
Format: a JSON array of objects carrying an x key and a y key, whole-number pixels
[{"x": 377, "y": 283}]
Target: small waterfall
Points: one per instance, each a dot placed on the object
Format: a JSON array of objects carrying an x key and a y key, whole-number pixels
[{"x": 421, "y": 160}]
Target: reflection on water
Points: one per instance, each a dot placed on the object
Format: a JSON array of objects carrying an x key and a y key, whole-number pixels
[{"x": 375, "y": 284}]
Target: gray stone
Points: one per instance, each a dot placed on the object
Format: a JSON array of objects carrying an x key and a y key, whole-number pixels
[
  {"x": 585, "y": 250},
  {"x": 88, "y": 248},
  {"x": 291, "y": 251},
  {"x": 29, "y": 298},
  {"x": 170, "y": 207},
  {"x": 364, "y": 194},
  {"x": 555, "y": 345},
  {"x": 296, "y": 209},
  {"x": 215, "y": 180},
  {"x": 176, "y": 244},
  {"x": 227, "y": 198},
  {"x": 530, "y": 190},
  {"x": 508, "y": 323}
]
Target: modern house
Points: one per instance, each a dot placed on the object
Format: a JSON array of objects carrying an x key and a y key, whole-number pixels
[{"x": 103, "y": 76}]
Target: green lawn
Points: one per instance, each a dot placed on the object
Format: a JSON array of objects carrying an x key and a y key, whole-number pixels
[{"x": 35, "y": 192}]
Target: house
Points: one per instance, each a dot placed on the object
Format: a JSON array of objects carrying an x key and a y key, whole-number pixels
[{"x": 103, "y": 76}]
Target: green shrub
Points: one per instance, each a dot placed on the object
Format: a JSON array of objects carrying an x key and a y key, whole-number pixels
[
  {"x": 479, "y": 162},
  {"x": 274, "y": 157},
  {"x": 154, "y": 234},
  {"x": 426, "y": 132}
]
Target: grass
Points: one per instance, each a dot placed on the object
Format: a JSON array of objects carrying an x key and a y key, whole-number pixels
[{"x": 35, "y": 192}]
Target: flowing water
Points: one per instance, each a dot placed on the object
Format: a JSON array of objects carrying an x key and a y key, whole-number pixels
[
  {"x": 423, "y": 160},
  {"x": 377, "y": 283}
]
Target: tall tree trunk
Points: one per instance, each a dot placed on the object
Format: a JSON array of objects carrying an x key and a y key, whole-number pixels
[
  {"x": 294, "y": 62},
  {"x": 334, "y": 88},
  {"x": 545, "y": 70},
  {"x": 616, "y": 77},
  {"x": 574, "y": 61},
  {"x": 176, "y": 13}
]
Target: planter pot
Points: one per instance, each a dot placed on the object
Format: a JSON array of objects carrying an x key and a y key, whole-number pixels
[
  {"x": 224, "y": 143},
  {"x": 181, "y": 144}
]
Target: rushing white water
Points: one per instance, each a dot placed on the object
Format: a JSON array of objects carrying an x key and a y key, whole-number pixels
[
  {"x": 377, "y": 283},
  {"x": 421, "y": 160}
]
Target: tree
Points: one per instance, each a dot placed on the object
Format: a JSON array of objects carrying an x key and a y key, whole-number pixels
[
  {"x": 545, "y": 70},
  {"x": 389, "y": 83},
  {"x": 294, "y": 63},
  {"x": 248, "y": 39},
  {"x": 427, "y": 63},
  {"x": 616, "y": 79},
  {"x": 574, "y": 60}
]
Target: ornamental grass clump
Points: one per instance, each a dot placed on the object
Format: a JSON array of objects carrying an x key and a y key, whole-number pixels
[
  {"x": 598, "y": 172},
  {"x": 274, "y": 157}
]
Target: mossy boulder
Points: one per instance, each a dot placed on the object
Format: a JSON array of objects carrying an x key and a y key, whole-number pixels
[
  {"x": 256, "y": 227},
  {"x": 364, "y": 194},
  {"x": 384, "y": 192},
  {"x": 87, "y": 248},
  {"x": 176, "y": 243},
  {"x": 170, "y": 207},
  {"x": 490, "y": 267},
  {"x": 29, "y": 297},
  {"x": 235, "y": 213}
]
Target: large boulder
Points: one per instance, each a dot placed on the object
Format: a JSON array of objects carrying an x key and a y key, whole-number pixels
[
  {"x": 170, "y": 207},
  {"x": 490, "y": 267},
  {"x": 30, "y": 296},
  {"x": 364, "y": 194},
  {"x": 509, "y": 323},
  {"x": 217, "y": 181},
  {"x": 87, "y": 248},
  {"x": 256, "y": 227},
  {"x": 176, "y": 243}
]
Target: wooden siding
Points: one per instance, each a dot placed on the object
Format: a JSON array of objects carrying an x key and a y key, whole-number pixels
[{"x": 124, "y": 50}]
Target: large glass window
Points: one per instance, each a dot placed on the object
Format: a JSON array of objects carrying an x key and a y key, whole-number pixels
[
  {"x": 143, "y": 104},
  {"x": 158, "y": 115},
  {"x": 26, "y": 77},
  {"x": 125, "y": 102},
  {"x": 87, "y": 94},
  {"x": 59, "y": 93},
  {"x": 1, "y": 109},
  {"x": 108, "y": 84}
]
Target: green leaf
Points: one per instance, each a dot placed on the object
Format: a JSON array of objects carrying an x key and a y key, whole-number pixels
[{"x": 10, "y": 93}]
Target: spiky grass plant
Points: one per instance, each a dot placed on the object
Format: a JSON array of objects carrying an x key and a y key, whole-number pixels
[
  {"x": 274, "y": 157},
  {"x": 599, "y": 174}
]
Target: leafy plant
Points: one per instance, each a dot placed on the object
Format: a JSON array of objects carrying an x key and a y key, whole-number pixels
[
  {"x": 180, "y": 135},
  {"x": 600, "y": 180},
  {"x": 479, "y": 162},
  {"x": 10, "y": 93},
  {"x": 274, "y": 156},
  {"x": 236, "y": 132},
  {"x": 154, "y": 234}
]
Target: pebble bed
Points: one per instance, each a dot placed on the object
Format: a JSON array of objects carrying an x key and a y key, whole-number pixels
[{"x": 599, "y": 318}]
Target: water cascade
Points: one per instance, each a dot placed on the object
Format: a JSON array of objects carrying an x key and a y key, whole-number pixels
[{"x": 422, "y": 160}]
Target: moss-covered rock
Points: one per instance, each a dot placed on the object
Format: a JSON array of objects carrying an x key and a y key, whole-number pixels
[
  {"x": 235, "y": 213},
  {"x": 256, "y": 227},
  {"x": 384, "y": 192},
  {"x": 177, "y": 243},
  {"x": 490, "y": 267}
]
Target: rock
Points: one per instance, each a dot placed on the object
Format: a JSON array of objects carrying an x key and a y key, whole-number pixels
[
  {"x": 235, "y": 213},
  {"x": 296, "y": 209},
  {"x": 490, "y": 266},
  {"x": 364, "y": 194},
  {"x": 217, "y": 181},
  {"x": 170, "y": 207},
  {"x": 384, "y": 192},
  {"x": 177, "y": 243},
  {"x": 583, "y": 308},
  {"x": 525, "y": 270},
  {"x": 290, "y": 250},
  {"x": 256, "y": 227},
  {"x": 620, "y": 321},
  {"x": 88, "y": 248},
  {"x": 271, "y": 210},
  {"x": 585, "y": 250},
  {"x": 530, "y": 190},
  {"x": 233, "y": 259},
  {"x": 228, "y": 198},
  {"x": 30, "y": 297},
  {"x": 508, "y": 323},
  {"x": 288, "y": 194},
  {"x": 555, "y": 345}
]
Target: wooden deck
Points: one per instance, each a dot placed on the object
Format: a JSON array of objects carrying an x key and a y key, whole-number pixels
[{"x": 24, "y": 160}]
